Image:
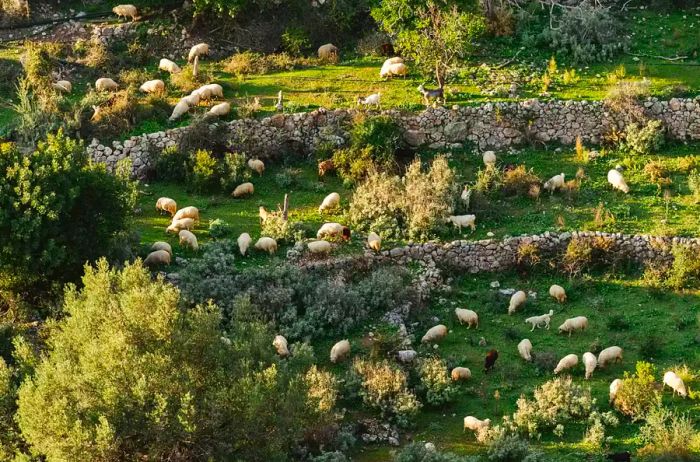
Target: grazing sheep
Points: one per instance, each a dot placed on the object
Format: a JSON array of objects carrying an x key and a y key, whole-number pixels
[
  {"x": 461, "y": 373},
  {"x": 489, "y": 158},
  {"x": 623, "y": 456},
  {"x": 490, "y": 360},
  {"x": 435, "y": 334},
  {"x": 467, "y": 316},
  {"x": 244, "y": 241},
  {"x": 558, "y": 293},
  {"x": 554, "y": 183},
  {"x": 537, "y": 321},
  {"x": 168, "y": 66},
  {"x": 256, "y": 165},
  {"x": 399, "y": 69},
  {"x": 200, "y": 49},
  {"x": 333, "y": 230},
  {"x": 319, "y": 247},
  {"x": 179, "y": 110},
  {"x": 280, "y": 344},
  {"x": 166, "y": 204},
  {"x": 406, "y": 356},
  {"x": 525, "y": 349},
  {"x": 339, "y": 351},
  {"x": 617, "y": 181},
  {"x": 572, "y": 324},
  {"x": 516, "y": 301},
  {"x": 187, "y": 212},
  {"x": 177, "y": 225},
  {"x": 264, "y": 214},
  {"x": 374, "y": 242},
  {"x": 188, "y": 239},
  {"x": 106, "y": 84},
  {"x": 127, "y": 11},
  {"x": 160, "y": 245},
  {"x": 462, "y": 221},
  {"x": 220, "y": 110},
  {"x": 675, "y": 383},
  {"x": 567, "y": 362},
  {"x": 331, "y": 201},
  {"x": 372, "y": 100},
  {"x": 613, "y": 353},
  {"x": 614, "y": 388},
  {"x": 157, "y": 257},
  {"x": 153, "y": 86},
  {"x": 245, "y": 189},
  {"x": 476, "y": 425},
  {"x": 191, "y": 100},
  {"x": 590, "y": 363},
  {"x": 63, "y": 86},
  {"x": 266, "y": 244},
  {"x": 325, "y": 167},
  {"x": 329, "y": 52},
  {"x": 209, "y": 91},
  {"x": 394, "y": 60}
]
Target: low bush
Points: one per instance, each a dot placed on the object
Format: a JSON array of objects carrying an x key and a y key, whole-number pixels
[
  {"x": 685, "y": 270},
  {"x": 251, "y": 63},
  {"x": 667, "y": 435},
  {"x": 219, "y": 229},
  {"x": 435, "y": 382},
  {"x": 638, "y": 393},
  {"x": 626, "y": 98},
  {"x": 417, "y": 452},
  {"x": 185, "y": 80},
  {"x": 694, "y": 185},
  {"x": 519, "y": 181},
  {"x": 171, "y": 165},
  {"x": 233, "y": 170},
  {"x": 201, "y": 174},
  {"x": 488, "y": 180},
  {"x": 508, "y": 448},
  {"x": 278, "y": 229},
  {"x": 644, "y": 140}
]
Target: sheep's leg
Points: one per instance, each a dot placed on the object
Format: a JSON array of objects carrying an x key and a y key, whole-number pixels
[{"x": 533, "y": 327}]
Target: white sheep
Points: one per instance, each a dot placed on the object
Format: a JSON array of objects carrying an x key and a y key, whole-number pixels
[
  {"x": 617, "y": 181},
  {"x": 567, "y": 362},
  {"x": 106, "y": 84},
  {"x": 554, "y": 183},
  {"x": 476, "y": 425},
  {"x": 406, "y": 356},
  {"x": 160, "y": 245},
  {"x": 613, "y": 353},
  {"x": 590, "y": 363},
  {"x": 244, "y": 241},
  {"x": 489, "y": 158},
  {"x": 331, "y": 201},
  {"x": 220, "y": 110},
  {"x": 675, "y": 383},
  {"x": 157, "y": 257},
  {"x": 187, "y": 212},
  {"x": 153, "y": 86},
  {"x": 558, "y": 293},
  {"x": 386, "y": 66},
  {"x": 168, "y": 66},
  {"x": 256, "y": 165},
  {"x": 244, "y": 189},
  {"x": 188, "y": 239},
  {"x": 179, "y": 110},
  {"x": 280, "y": 344},
  {"x": 191, "y": 100},
  {"x": 63, "y": 86},
  {"x": 394, "y": 60},
  {"x": 398, "y": 69},
  {"x": 328, "y": 52},
  {"x": 209, "y": 91},
  {"x": 166, "y": 204},
  {"x": 516, "y": 301},
  {"x": 462, "y": 221},
  {"x": 198, "y": 50},
  {"x": 461, "y": 373},
  {"x": 374, "y": 242},
  {"x": 435, "y": 334},
  {"x": 177, "y": 225},
  {"x": 319, "y": 247},
  {"x": 340, "y": 350},
  {"x": 572, "y": 324},
  {"x": 467, "y": 316},
  {"x": 332, "y": 230},
  {"x": 266, "y": 244},
  {"x": 525, "y": 349},
  {"x": 615, "y": 386},
  {"x": 372, "y": 100},
  {"x": 127, "y": 11},
  {"x": 538, "y": 321}
]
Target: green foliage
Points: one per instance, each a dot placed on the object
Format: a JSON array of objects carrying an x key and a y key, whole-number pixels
[
  {"x": 219, "y": 229},
  {"x": 519, "y": 181},
  {"x": 417, "y": 452},
  {"x": 277, "y": 228},
  {"x": 508, "y": 448},
  {"x": 644, "y": 140},
  {"x": 171, "y": 165},
  {"x": 202, "y": 172},
  {"x": 295, "y": 40},
  {"x": 9, "y": 434},
  {"x": 435, "y": 382},
  {"x": 668, "y": 434},
  {"x": 488, "y": 180},
  {"x": 638, "y": 394},
  {"x": 685, "y": 270},
  {"x": 233, "y": 170},
  {"x": 694, "y": 185}
]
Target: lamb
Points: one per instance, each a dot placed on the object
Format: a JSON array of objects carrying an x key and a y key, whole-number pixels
[
  {"x": 536, "y": 321},
  {"x": 572, "y": 324},
  {"x": 406, "y": 356},
  {"x": 392, "y": 70},
  {"x": 489, "y": 158},
  {"x": 340, "y": 350},
  {"x": 590, "y": 363},
  {"x": 467, "y": 316},
  {"x": 179, "y": 110},
  {"x": 160, "y": 245},
  {"x": 256, "y": 165},
  {"x": 462, "y": 221},
  {"x": 220, "y": 110},
  {"x": 127, "y": 11},
  {"x": 168, "y": 66},
  {"x": 516, "y": 301},
  {"x": 675, "y": 383},
  {"x": 490, "y": 360},
  {"x": 325, "y": 167},
  {"x": 567, "y": 362},
  {"x": 157, "y": 257},
  {"x": 244, "y": 241},
  {"x": 374, "y": 242},
  {"x": 266, "y": 244},
  {"x": 371, "y": 100},
  {"x": 613, "y": 353},
  {"x": 331, "y": 201},
  {"x": 63, "y": 86},
  {"x": 188, "y": 239},
  {"x": 435, "y": 334},
  {"x": 319, "y": 247},
  {"x": 198, "y": 50},
  {"x": 187, "y": 212},
  {"x": 554, "y": 183},
  {"x": 153, "y": 86},
  {"x": 525, "y": 349},
  {"x": 617, "y": 181},
  {"x": 476, "y": 425},
  {"x": 177, "y": 225},
  {"x": 333, "y": 230},
  {"x": 329, "y": 52},
  {"x": 280, "y": 344},
  {"x": 461, "y": 373},
  {"x": 558, "y": 293},
  {"x": 614, "y": 388},
  {"x": 166, "y": 204},
  {"x": 244, "y": 189},
  {"x": 106, "y": 84}
]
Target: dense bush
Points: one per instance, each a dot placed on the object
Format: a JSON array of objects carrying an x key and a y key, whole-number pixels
[
  {"x": 508, "y": 448},
  {"x": 644, "y": 139},
  {"x": 417, "y": 452},
  {"x": 435, "y": 382},
  {"x": 519, "y": 181},
  {"x": 638, "y": 394},
  {"x": 666, "y": 435},
  {"x": 219, "y": 229},
  {"x": 694, "y": 185},
  {"x": 171, "y": 165},
  {"x": 201, "y": 174}
]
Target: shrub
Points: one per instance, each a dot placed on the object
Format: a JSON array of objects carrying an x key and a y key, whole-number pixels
[
  {"x": 667, "y": 434},
  {"x": 694, "y": 185},
  {"x": 171, "y": 165},
  {"x": 322, "y": 389},
  {"x": 645, "y": 139},
  {"x": 518, "y": 181},
  {"x": 377, "y": 205},
  {"x": 638, "y": 393},
  {"x": 618, "y": 322},
  {"x": 117, "y": 114},
  {"x": 233, "y": 170},
  {"x": 626, "y": 97},
  {"x": 219, "y": 229},
  {"x": 295, "y": 40},
  {"x": 545, "y": 361},
  {"x": 578, "y": 256},
  {"x": 417, "y": 452},
  {"x": 202, "y": 135},
  {"x": 488, "y": 180},
  {"x": 185, "y": 81},
  {"x": 278, "y": 229},
  {"x": 528, "y": 254},
  {"x": 685, "y": 270},
  {"x": 335, "y": 456},
  {"x": 201, "y": 175},
  {"x": 508, "y": 448},
  {"x": 435, "y": 382}
]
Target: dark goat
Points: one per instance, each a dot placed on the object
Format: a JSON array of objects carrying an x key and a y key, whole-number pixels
[
  {"x": 437, "y": 94},
  {"x": 619, "y": 456},
  {"x": 346, "y": 233},
  {"x": 490, "y": 360}
]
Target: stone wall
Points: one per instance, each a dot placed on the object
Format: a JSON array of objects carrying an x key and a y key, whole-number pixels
[{"x": 492, "y": 125}]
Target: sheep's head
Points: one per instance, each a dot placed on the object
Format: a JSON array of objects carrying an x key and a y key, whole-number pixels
[{"x": 346, "y": 233}]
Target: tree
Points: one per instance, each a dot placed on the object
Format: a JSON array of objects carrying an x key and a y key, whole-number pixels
[{"x": 434, "y": 34}]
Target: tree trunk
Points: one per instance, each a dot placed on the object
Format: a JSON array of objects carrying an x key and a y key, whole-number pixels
[{"x": 285, "y": 208}]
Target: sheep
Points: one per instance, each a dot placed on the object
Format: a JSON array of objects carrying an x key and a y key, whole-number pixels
[
  {"x": 374, "y": 242},
  {"x": 188, "y": 239},
  {"x": 536, "y": 321},
  {"x": 333, "y": 230},
  {"x": 554, "y": 183},
  {"x": 127, "y": 11},
  {"x": 256, "y": 165},
  {"x": 157, "y": 257},
  {"x": 153, "y": 86},
  {"x": 166, "y": 204},
  {"x": 613, "y": 353},
  {"x": 244, "y": 189},
  {"x": 476, "y": 425},
  {"x": 489, "y": 158},
  {"x": 168, "y": 66},
  {"x": 106, "y": 84},
  {"x": 329, "y": 52},
  {"x": 516, "y": 301},
  {"x": 614, "y": 388},
  {"x": 394, "y": 60},
  {"x": 406, "y": 356},
  {"x": 398, "y": 69},
  {"x": 198, "y": 50},
  {"x": 209, "y": 91},
  {"x": 572, "y": 324},
  {"x": 160, "y": 245},
  {"x": 490, "y": 360},
  {"x": 590, "y": 362},
  {"x": 435, "y": 334},
  {"x": 280, "y": 344},
  {"x": 331, "y": 201},
  {"x": 177, "y": 225},
  {"x": 567, "y": 362},
  {"x": 525, "y": 349},
  {"x": 63, "y": 86},
  {"x": 319, "y": 247},
  {"x": 191, "y": 100},
  {"x": 97, "y": 114},
  {"x": 558, "y": 293},
  {"x": 372, "y": 100},
  {"x": 220, "y": 110},
  {"x": 461, "y": 373},
  {"x": 467, "y": 316},
  {"x": 266, "y": 244},
  {"x": 340, "y": 350},
  {"x": 244, "y": 241},
  {"x": 462, "y": 221},
  {"x": 617, "y": 181},
  {"x": 675, "y": 383},
  {"x": 179, "y": 110},
  {"x": 325, "y": 167},
  {"x": 187, "y": 212}
]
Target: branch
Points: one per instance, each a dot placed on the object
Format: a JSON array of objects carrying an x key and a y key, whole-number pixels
[
  {"x": 508, "y": 61},
  {"x": 665, "y": 58}
]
